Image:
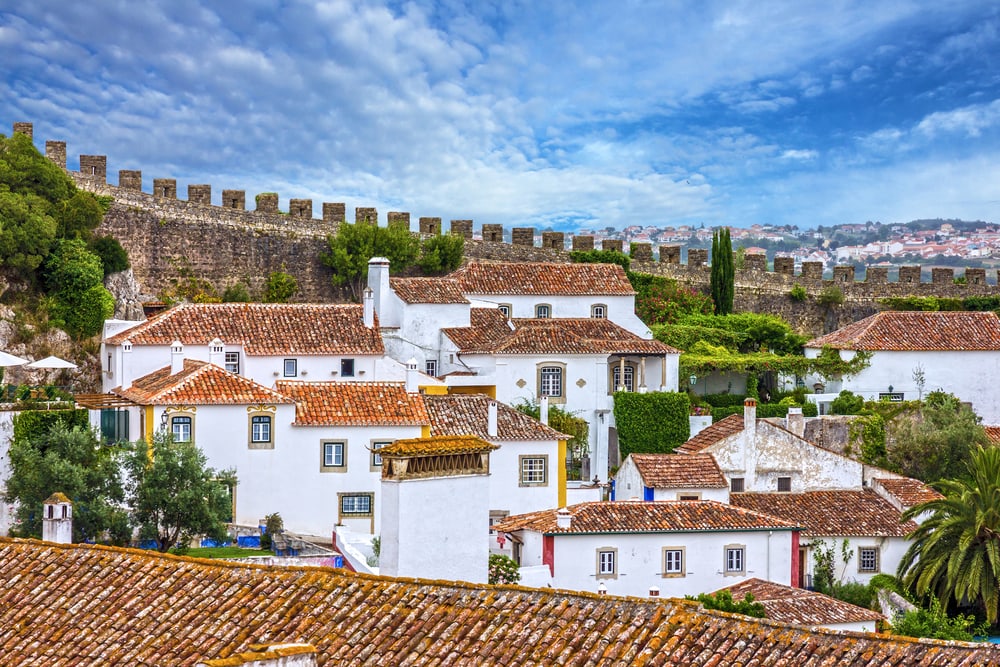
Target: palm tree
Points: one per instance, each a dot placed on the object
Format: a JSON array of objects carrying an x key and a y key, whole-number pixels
[{"x": 955, "y": 553}]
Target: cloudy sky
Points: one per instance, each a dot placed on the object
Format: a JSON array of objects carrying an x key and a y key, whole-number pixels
[{"x": 544, "y": 112}]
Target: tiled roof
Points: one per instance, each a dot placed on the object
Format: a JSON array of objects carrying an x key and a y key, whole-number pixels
[
  {"x": 798, "y": 606},
  {"x": 261, "y": 328},
  {"x": 556, "y": 335},
  {"x": 630, "y": 516},
  {"x": 427, "y": 290},
  {"x": 908, "y": 491},
  {"x": 718, "y": 431},
  {"x": 91, "y": 606},
  {"x": 487, "y": 325},
  {"x": 354, "y": 404},
  {"x": 831, "y": 513},
  {"x": 679, "y": 471},
  {"x": 543, "y": 279},
  {"x": 441, "y": 444},
  {"x": 920, "y": 330},
  {"x": 199, "y": 383},
  {"x": 467, "y": 414},
  {"x": 993, "y": 433}
]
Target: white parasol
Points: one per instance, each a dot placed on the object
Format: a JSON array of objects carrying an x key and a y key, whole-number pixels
[
  {"x": 51, "y": 362},
  {"x": 11, "y": 360}
]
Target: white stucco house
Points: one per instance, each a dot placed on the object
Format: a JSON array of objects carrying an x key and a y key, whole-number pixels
[
  {"x": 958, "y": 352},
  {"x": 628, "y": 548},
  {"x": 670, "y": 477}
]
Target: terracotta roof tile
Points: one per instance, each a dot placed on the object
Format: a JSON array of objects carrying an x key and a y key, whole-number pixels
[
  {"x": 543, "y": 279},
  {"x": 902, "y": 331},
  {"x": 427, "y": 290},
  {"x": 90, "y": 606},
  {"x": 354, "y": 404},
  {"x": 467, "y": 414},
  {"x": 679, "y": 471},
  {"x": 831, "y": 513},
  {"x": 908, "y": 491},
  {"x": 442, "y": 444},
  {"x": 718, "y": 431},
  {"x": 630, "y": 516},
  {"x": 558, "y": 335},
  {"x": 993, "y": 433},
  {"x": 199, "y": 383},
  {"x": 261, "y": 328},
  {"x": 801, "y": 607}
]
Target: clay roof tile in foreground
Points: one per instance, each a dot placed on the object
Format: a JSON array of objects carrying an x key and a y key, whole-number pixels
[
  {"x": 679, "y": 471},
  {"x": 91, "y": 606},
  {"x": 468, "y": 414},
  {"x": 198, "y": 383},
  {"x": 427, "y": 290},
  {"x": 261, "y": 328},
  {"x": 801, "y": 607},
  {"x": 911, "y": 331},
  {"x": 543, "y": 278},
  {"x": 630, "y": 516},
  {"x": 354, "y": 404},
  {"x": 842, "y": 513}
]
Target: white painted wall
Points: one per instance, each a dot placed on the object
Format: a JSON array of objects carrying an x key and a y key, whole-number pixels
[
  {"x": 629, "y": 486},
  {"x": 891, "y": 551},
  {"x": 620, "y": 309},
  {"x": 506, "y": 492},
  {"x": 6, "y": 433},
  {"x": 433, "y": 528}
]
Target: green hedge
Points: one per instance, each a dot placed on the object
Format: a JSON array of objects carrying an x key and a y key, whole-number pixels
[
  {"x": 31, "y": 425},
  {"x": 723, "y": 400},
  {"x": 651, "y": 423},
  {"x": 764, "y": 410}
]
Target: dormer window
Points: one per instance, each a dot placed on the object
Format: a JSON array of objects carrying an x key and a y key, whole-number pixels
[
  {"x": 233, "y": 362},
  {"x": 599, "y": 311},
  {"x": 543, "y": 311},
  {"x": 347, "y": 368},
  {"x": 291, "y": 368},
  {"x": 506, "y": 309}
]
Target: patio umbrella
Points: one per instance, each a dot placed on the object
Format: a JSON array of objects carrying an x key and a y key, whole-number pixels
[
  {"x": 11, "y": 360},
  {"x": 51, "y": 362}
]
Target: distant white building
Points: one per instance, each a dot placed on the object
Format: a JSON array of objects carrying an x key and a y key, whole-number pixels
[{"x": 671, "y": 477}]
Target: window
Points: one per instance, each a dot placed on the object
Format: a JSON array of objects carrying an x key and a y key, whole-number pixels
[
  {"x": 616, "y": 378},
  {"x": 688, "y": 496},
  {"x": 181, "y": 428},
  {"x": 551, "y": 381},
  {"x": 891, "y": 396},
  {"x": 543, "y": 311},
  {"x": 736, "y": 485},
  {"x": 114, "y": 425},
  {"x": 291, "y": 368},
  {"x": 260, "y": 429},
  {"x": 785, "y": 484},
  {"x": 233, "y": 362},
  {"x": 735, "y": 560},
  {"x": 868, "y": 559},
  {"x": 334, "y": 457},
  {"x": 347, "y": 368},
  {"x": 673, "y": 561},
  {"x": 599, "y": 311},
  {"x": 506, "y": 309},
  {"x": 607, "y": 563},
  {"x": 376, "y": 459},
  {"x": 431, "y": 367},
  {"x": 357, "y": 504},
  {"x": 496, "y": 516},
  {"x": 534, "y": 470}
]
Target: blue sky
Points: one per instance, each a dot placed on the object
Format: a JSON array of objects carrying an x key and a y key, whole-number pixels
[{"x": 531, "y": 113}]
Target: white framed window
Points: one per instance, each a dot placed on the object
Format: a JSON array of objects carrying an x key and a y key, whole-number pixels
[
  {"x": 356, "y": 504},
  {"x": 785, "y": 484},
  {"x": 291, "y": 368},
  {"x": 534, "y": 470},
  {"x": 607, "y": 563},
  {"x": 334, "y": 456},
  {"x": 260, "y": 428},
  {"x": 868, "y": 559},
  {"x": 735, "y": 560},
  {"x": 233, "y": 362},
  {"x": 673, "y": 561},
  {"x": 689, "y": 496},
  {"x": 506, "y": 309},
  {"x": 736, "y": 485},
  {"x": 599, "y": 311},
  {"x": 181, "y": 428},
  {"x": 376, "y": 463},
  {"x": 347, "y": 368},
  {"x": 550, "y": 381},
  {"x": 543, "y": 311},
  {"x": 617, "y": 378},
  {"x": 431, "y": 367}
]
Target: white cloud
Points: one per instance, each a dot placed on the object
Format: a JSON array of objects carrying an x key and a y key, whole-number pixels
[
  {"x": 793, "y": 154},
  {"x": 970, "y": 120}
]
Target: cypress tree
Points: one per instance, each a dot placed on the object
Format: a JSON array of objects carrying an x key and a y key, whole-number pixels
[{"x": 723, "y": 272}]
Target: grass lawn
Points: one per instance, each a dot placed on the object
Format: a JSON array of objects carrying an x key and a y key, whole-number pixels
[{"x": 225, "y": 552}]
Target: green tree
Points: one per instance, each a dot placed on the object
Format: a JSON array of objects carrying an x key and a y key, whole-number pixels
[
  {"x": 26, "y": 233},
  {"x": 236, "y": 293},
  {"x": 442, "y": 253},
  {"x": 723, "y": 601},
  {"x": 78, "y": 216},
  {"x": 25, "y": 171},
  {"x": 73, "y": 275},
  {"x": 57, "y": 456},
  {"x": 723, "y": 274},
  {"x": 113, "y": 256},
  {"x": 354, "y": 244},
  {"x": 934, "y": 623},
  {"x": 955, "y": 553},
  {"x": 568, "y": 423},
  {"x": 280, "y": 287},
  {"x": 173, "y": 494}
]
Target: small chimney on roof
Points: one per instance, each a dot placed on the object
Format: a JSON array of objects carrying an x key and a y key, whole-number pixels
[
  {"x": 126, "y": 361},
  {"x": 57, "y": 519},
  {"x": 795, "y": 422},
  {"x": 491, "y": 419},
  {"x": 543, "y": 410},
  {"x": 176, "y": 357},
  {"x": 368, "y": 299},
  {"x": 412, "y": 383},
  {"x": 750, "y": 416},
  {"x": 217, "y": 353},
  {"x": 563, "y": 518},
  {"x": 378, "y": 281}
]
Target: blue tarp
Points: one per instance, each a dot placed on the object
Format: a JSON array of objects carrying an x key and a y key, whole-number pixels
[{"x": 248, "y": 541}]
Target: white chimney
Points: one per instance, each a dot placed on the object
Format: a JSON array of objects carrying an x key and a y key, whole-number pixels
[
  {"x": 563, "y": 518},
  {"x": 126, "y": 361},
  {"x": 412, "y": 383},
  {"x": 491, "y": 419},
  {"x": 378, "y": 281},
  {"x": 368, "y": 299},
  {"x": 795, "y": 422},
  {"x": 176, "y": 357},
  {"x": 57, "y": 519},
  {"x": 217, "y": 353},
  {"x": 543, "y": 410},
  {"x": 750, "y": 417}
]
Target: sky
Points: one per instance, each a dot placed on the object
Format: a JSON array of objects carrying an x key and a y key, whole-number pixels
[{"x": 545, "y": 113}]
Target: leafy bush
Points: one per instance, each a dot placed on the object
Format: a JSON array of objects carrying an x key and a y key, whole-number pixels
[
  {"x": 854, "y": 593},
  {"x": 236, "y": 293},
  {"x": 84, "y": 315},
  {"x": 112, "y": 254},
  {"x": 797, "y": 293},
  {"x": 601, "y": 257},
  {"x": 664, "y": 301},
  {"x": 847, "y": 403},
  {"x": 503, "y": 570},
  {"x": 651, "y": 423},
  {"x": 831, "y": 296},
  {"x": 442, "y": 253},
  {"x": 723, "y": 601},
  {"x": 280, "y": 287},
  {"x": 354, "y": 244},
  {"x": 770, "y": 410},
  {"x": 934, "y": 623}
]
